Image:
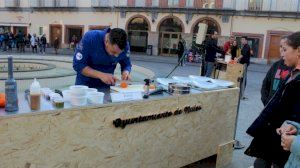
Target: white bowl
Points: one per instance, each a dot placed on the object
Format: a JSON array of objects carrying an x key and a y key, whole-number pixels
[
  {"x": 54, "y": 95},
  {"x": 91, "y": 90},
  {"x": 96, "y": 97},
  {"x": 78, "y": 86},
  {"x": 78, "y": 100},
  {"x": 78, "y": 90},
  {"x": 66, "y": 95}
]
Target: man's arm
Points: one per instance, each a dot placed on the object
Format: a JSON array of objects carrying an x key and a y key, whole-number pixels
[{"x": 126, "y": 64}]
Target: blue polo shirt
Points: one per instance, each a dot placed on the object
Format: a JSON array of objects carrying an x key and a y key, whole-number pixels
[{"x": 91, "y": 52}]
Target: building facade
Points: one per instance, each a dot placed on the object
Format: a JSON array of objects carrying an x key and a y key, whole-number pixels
[{"x": 157, "y": 23}]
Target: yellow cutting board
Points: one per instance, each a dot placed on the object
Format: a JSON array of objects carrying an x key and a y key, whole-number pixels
[{"x": 130, "y": 88}]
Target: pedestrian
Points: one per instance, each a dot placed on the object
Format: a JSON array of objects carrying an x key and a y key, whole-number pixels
[
  {"x": 180, "y": 50},
  {"x": 43, "y": 42},
  {"x": 73, "y": 42},
  {"x": 27, "y": 40},
  {"x": 284, "y": 105},
  {"x": 10, "y": 41},
  {"x": 5, "y": 41},
  {"x": 1, "y": 39},
  {"x": 276, "y": 74},
  {"x": 34, "y": 43},
  {"x": 56, "y": 45}
]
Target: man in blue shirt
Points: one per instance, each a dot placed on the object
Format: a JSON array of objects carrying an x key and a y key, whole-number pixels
[{"x": 97, "y": 56}]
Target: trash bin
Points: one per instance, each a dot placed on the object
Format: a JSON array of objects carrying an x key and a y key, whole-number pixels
[{"x": 149, "y": 49}]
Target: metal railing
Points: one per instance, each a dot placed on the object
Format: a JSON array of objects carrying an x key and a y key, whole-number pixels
[
  {"x": 208, "y": 4},
  {"x": 12, "y": 3},
  {"x": 284, "y": 6}
]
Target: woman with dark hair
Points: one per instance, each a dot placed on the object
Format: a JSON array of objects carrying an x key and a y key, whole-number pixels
[
  {"x": 276, "y": 74},
  {"x": 234, "y": 49},
  {"x": 284, "y": 105}
]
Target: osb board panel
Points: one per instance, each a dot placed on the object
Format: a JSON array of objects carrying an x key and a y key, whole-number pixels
[
  {"x": 233, "y": 72},
  {"x": 224, "y": 154},
  {"x": 87, "y": 138}
]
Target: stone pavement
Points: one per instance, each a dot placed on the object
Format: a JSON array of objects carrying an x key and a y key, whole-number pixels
[{"x": 249, "y": 109}]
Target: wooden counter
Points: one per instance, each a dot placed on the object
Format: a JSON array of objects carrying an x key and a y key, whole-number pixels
[{"x": 86, "y": 137}]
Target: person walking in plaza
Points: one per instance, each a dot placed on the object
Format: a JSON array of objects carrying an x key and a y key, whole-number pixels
[
  {"x": 180, "y": 50},
  {"x": 10, "y": 41},
  {"x": 1, "y": 39},
  {"x": 276, "y": 74},
  {"x": 43, "y": 42},
  {"x": 5, "y": 41},
  {"x": 20, "y": 41},
  {"x": 73, "y": 42},
  {"x": 34, "y": 43},
  {"x": 56, "y": 45},
  {"x": 284, "y": 105}
]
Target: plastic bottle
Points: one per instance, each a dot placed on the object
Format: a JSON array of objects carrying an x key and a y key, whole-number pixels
[
  {"x": 35, "y": 95},
  {"x": 11, "y": 95}
]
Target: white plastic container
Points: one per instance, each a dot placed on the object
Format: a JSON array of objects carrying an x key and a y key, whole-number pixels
[
  {"x": 91, "y": 90},
  {"x": 78, "y": 90},
  {"x": 35, "y": 95},
  {"x": 78, "y": 100},
  {"x": 227, "y": 58},
  {"x": 95, "y": 97},
  {"x": 66, "y": 95},
  {"x": 54, "y": 95}
]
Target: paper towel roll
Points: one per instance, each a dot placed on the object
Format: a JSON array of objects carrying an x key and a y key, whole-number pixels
[{"x": 200, "y": 37}]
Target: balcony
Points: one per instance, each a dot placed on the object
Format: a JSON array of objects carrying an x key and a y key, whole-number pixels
[
  {"x": 53, "y": 3},
  {"x": 12, "y": 3}
]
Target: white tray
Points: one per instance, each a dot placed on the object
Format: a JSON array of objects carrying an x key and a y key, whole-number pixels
[
  {"x": 205, "y": 85},
  {"x": 182, "y": 79},
  {"x": 199, "y": 78},
  {"x": 222, "y": 83},
  {"x": 165, "y": 81},
  {"x": 130, "y": 88}
]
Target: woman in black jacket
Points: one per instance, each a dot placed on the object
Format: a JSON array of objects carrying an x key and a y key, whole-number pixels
[{"x": 284, "y": 105}]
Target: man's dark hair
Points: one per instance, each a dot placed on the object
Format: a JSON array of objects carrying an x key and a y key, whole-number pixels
[
  {"x": 119, "y": 37},
  {"x": 293, "y": 40},
  {"x": 245, "y": 37}
]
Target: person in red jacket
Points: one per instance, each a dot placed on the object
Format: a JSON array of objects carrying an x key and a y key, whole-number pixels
[{"x": 228, "y": 44}]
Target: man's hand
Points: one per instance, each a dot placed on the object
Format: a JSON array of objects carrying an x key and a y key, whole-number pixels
[
  {"x": 108, "y": 79},
  {"x": 286, "y": 129},
  {"x": 126, "y": 75},
  {"x": 238, "y": 59},
  {"x": 286, "y": 141}
]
